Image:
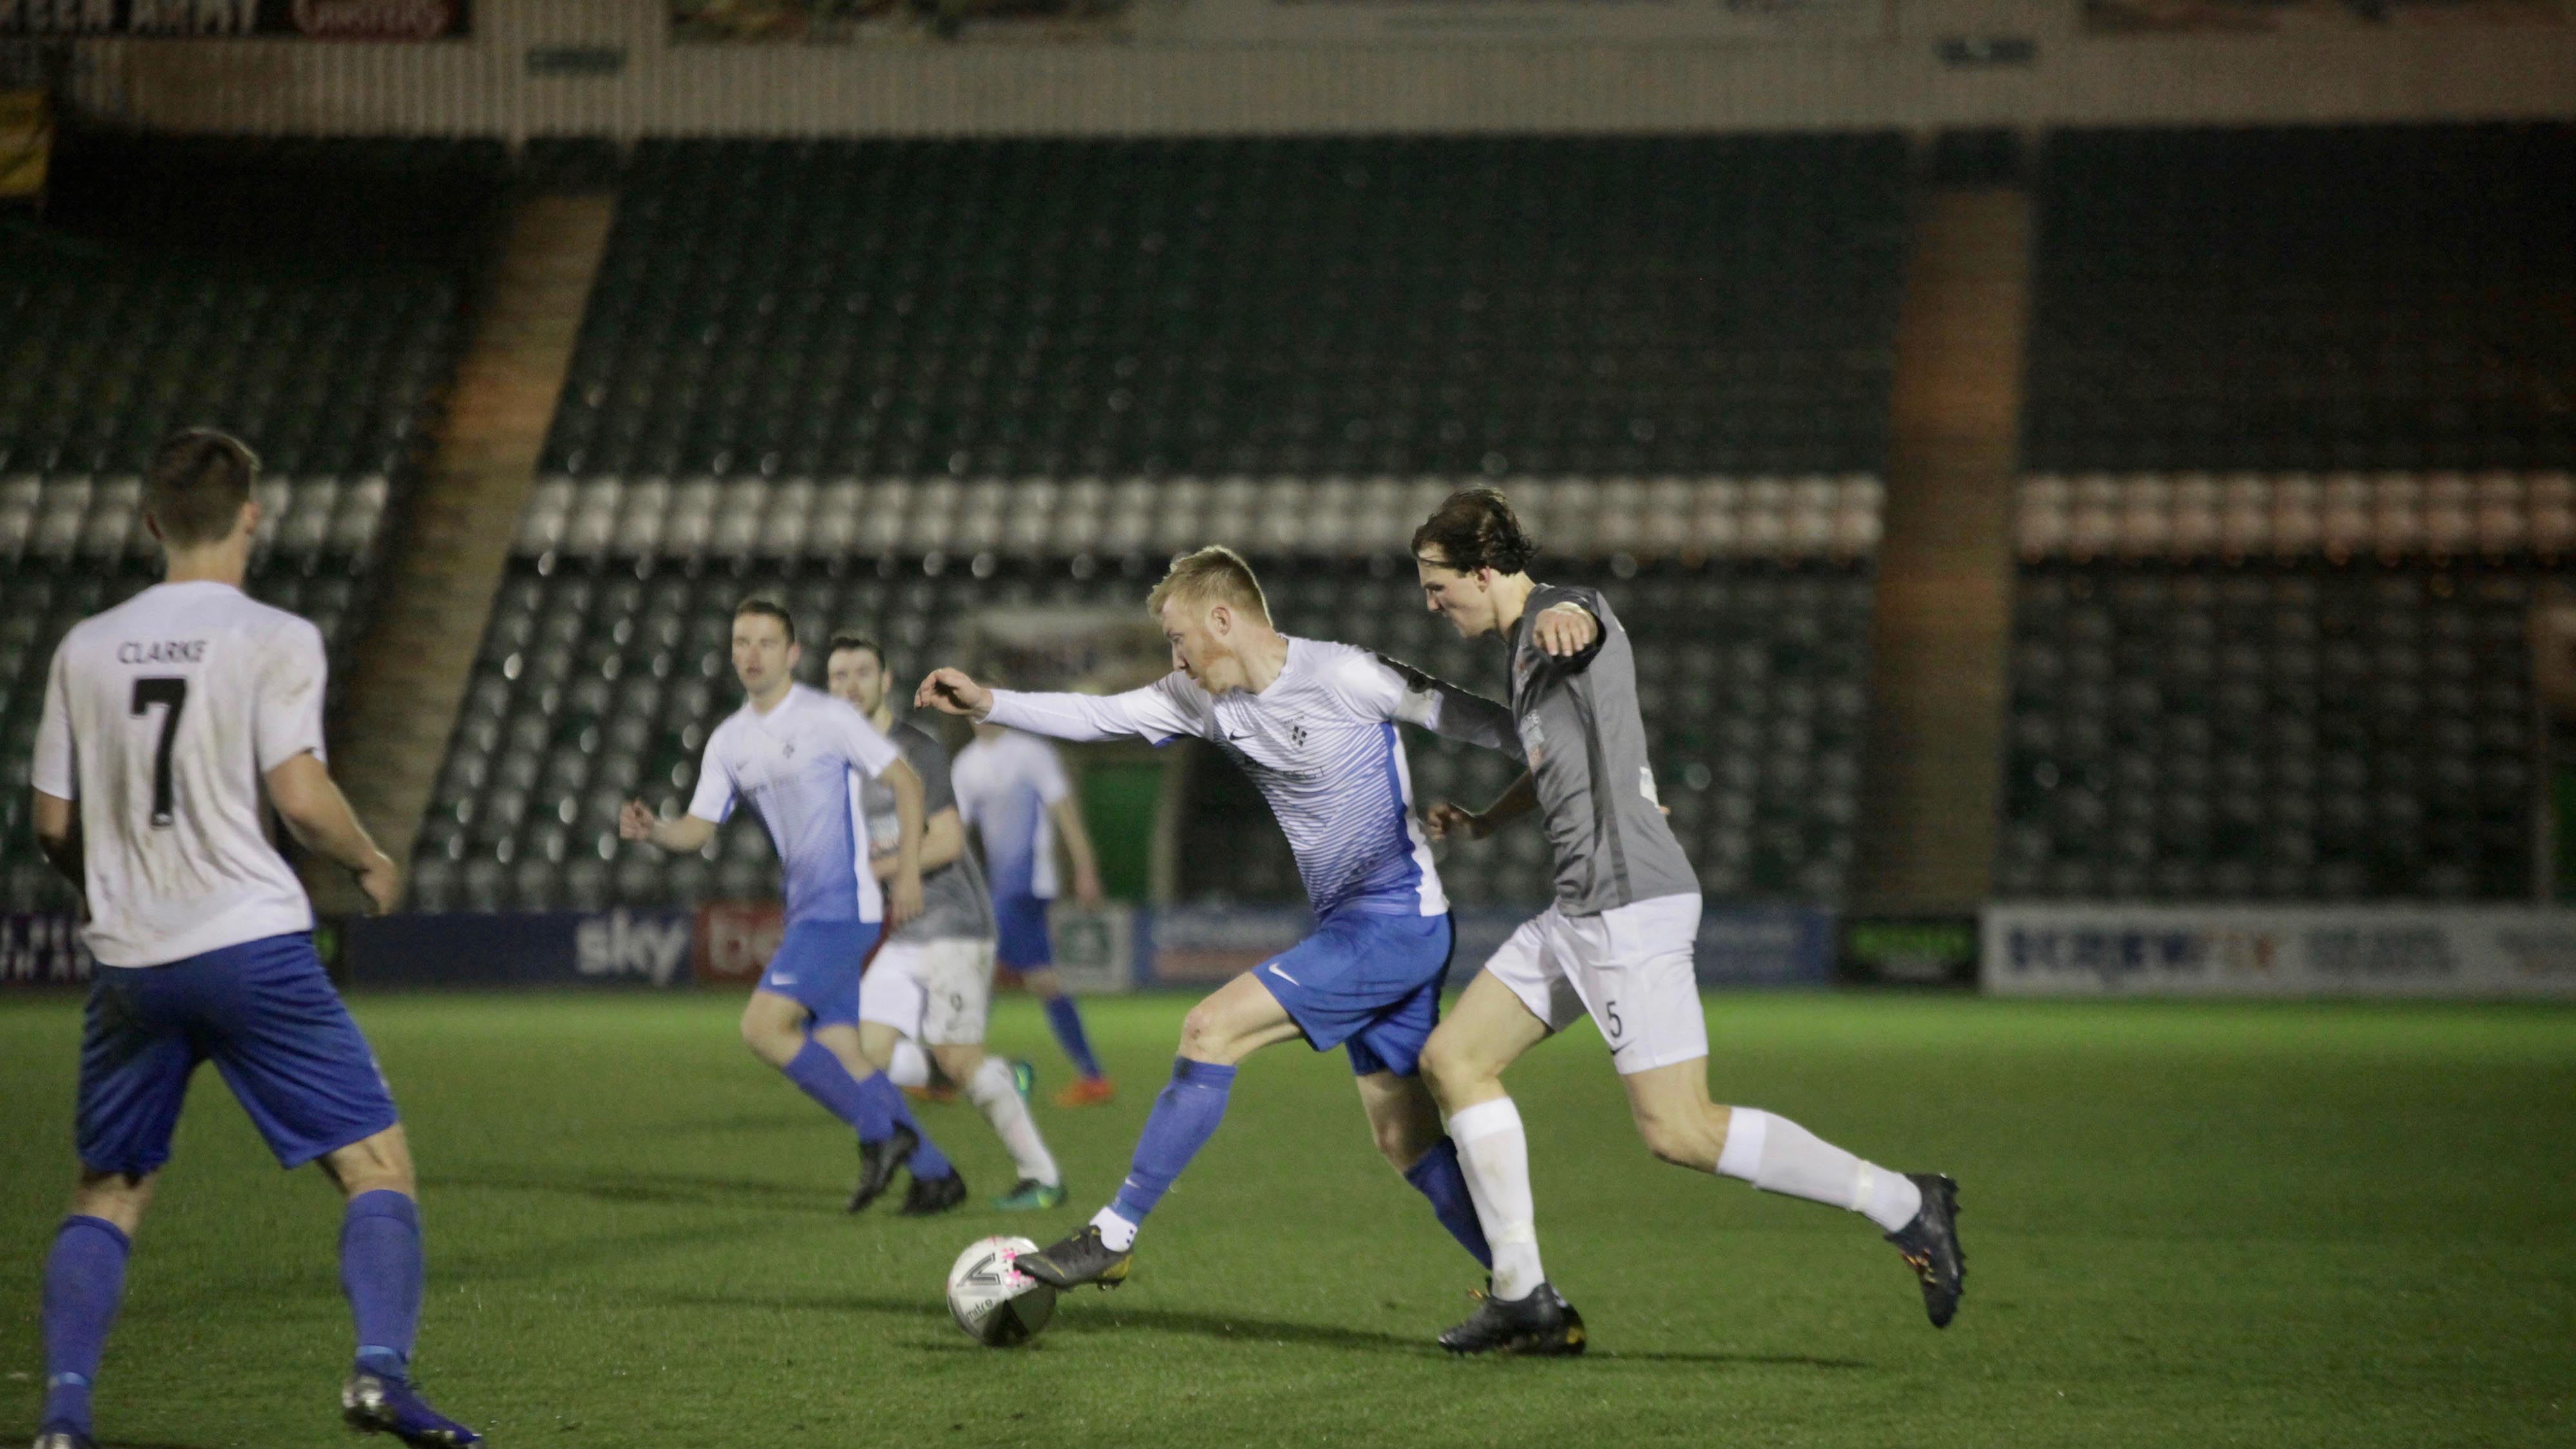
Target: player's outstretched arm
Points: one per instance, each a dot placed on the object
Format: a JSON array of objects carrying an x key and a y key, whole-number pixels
[
  {"x": 1445, "y": 709},
  {"x": 319, "y": 818},
  {"x": 1152, "y": 713},
  {"x": 690, "y": 832}
]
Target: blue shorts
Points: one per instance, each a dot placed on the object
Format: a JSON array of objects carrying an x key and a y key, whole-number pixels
[
  {"x": 266, "y": 1014},
  {"x": 1020, "y": 926},
  {"x": 818, "y": 965},
  {"x": 1368, "y": 982}
]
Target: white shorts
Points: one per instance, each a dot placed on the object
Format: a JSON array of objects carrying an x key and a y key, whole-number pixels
[
  {"x": 936, "y": 992},
  {"x": 1630, "y": 968}
]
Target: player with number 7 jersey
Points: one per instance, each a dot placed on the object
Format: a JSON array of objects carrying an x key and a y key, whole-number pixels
[
  {"x": 160, "y": 716},
  {"x": 170, "y": 722}
]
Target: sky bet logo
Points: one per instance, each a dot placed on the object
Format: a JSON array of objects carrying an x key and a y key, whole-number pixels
[{"x": 619, "y": 944}]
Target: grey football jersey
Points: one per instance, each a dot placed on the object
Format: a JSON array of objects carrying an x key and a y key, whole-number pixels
[
  {"x": 1577, "y": 726},
  {"x": 954, "y": 902}
]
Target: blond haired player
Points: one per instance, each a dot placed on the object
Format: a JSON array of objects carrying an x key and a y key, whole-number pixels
[{"x": 1313, "y": 724}]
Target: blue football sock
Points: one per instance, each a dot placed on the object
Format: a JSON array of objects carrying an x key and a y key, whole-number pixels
[
  {"x": 1185, "y": 1116},
  {"x": 84, "y": 1279},
  {"x": 815, "y": 1069},
  {"x": 927, "y": 1160},
  {"x": 1438, "y": 1177},
  {"x": 1066, "y": 1019},
  {"x": 381, "y": 1271}
]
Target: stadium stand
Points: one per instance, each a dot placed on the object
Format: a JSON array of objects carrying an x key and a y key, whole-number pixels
[
  {"x": 1298, "y": 307},
  {"x": 2273, "y": 645},
  {"x": 607, "y": 657},
  {"x": 2305, "y": 299},
  {"x": 2293, "y": 730},
  {"x": 306, "y": 295},
  {"x": 834, "y": 372}
]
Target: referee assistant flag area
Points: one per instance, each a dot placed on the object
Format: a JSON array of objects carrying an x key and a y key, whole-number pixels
[{"x": 2207, "y": 1223}]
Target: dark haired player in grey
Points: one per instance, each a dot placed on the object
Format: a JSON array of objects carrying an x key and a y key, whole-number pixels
[
  {"x": 931, "y": 981},
  {"x": 1616, "y": 943}
]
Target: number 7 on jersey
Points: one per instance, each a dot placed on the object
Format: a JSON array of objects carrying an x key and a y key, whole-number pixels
[{"x": 172, "y": 691}]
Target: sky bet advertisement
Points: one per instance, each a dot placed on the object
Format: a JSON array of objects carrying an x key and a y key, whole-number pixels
[
  {"x": 622, "y": 947},
  {"x": 724, "y": 944}
]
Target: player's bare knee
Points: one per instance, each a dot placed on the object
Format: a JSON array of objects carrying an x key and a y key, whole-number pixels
[
  {"x": 1205, "y": 1033},
  {"x": 379, "y": 1180},
  {"x": 770, "y": 1039},
  {"x": 1438, "y": 1065},
  {"x": 1401, "y": 1143},
  {"x": 872, "y": 1045},
  {"x": 381, "y": 1163},
  {"x": 766, "y": 1046},
  {"x": 114, "y": 1197},
  {"x": 1451, "y": 1070}
]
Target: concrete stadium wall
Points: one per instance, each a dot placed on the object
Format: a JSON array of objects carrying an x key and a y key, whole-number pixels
[{"x": 483, "y": 85}]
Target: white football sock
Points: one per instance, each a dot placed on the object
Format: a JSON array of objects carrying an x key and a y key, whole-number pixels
[
  {"x": 1777, "y": 1155},
  {"x": 1116, "y": 1232},
  {"x": 1494, "y": 1152},
  {"x": 911, "y": 1065},
  {"x": 998, "y": 1098}
]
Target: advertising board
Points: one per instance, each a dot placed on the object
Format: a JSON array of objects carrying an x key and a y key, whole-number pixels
[{"x": 2426, "y": 951}]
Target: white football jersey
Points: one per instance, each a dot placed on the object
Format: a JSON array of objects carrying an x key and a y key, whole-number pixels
[
  {"x": 162, "y": 715},
  {"x": 795, "y": 764},
  {"x": 1006, "y": 788},
  {"x": 1321, "y": 746}
]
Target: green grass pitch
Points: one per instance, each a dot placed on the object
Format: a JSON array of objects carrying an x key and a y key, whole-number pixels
[{"x": 2269, "y": 1225}]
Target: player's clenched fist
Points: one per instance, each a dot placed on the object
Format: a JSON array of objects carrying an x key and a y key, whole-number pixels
[
  {"x": 1445, "y": 820},
  {"x": 1565, "y": 630},
  {"x": 951, "y": 691},
  {"x": 635, "y": 821}
]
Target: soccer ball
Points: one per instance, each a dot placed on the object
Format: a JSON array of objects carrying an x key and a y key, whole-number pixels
[{"x": 996, "y": 1303}]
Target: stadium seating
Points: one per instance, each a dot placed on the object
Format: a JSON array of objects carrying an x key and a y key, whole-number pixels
[
  {"x": 600, "y": 680},
  {"x": 797, "y": 520},
  {"x": 2340, "y": 516},
  {"x": 896, "y": 381},
  {"x": 306, "y": 295},
  {"x": 1265, "y": 307},
  {"x": 2299, "y": 436},
  {"x": 2283, "y": 687},
  {"x": 2305, "y": 299}
]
